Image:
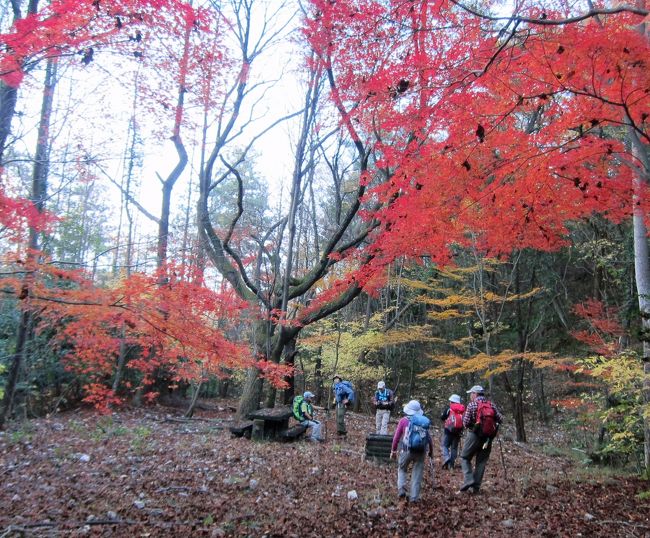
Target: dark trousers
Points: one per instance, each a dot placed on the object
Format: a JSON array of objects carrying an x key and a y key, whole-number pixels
[
  {"x": 479, "y": 448},
  {"x": 340, "y": 418},
  {"x": 449, "y": 445}
]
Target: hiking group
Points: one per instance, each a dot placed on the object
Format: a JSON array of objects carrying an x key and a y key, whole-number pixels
[{"x": 412, "y": 441}]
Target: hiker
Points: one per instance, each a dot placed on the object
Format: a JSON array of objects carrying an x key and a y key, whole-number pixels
[
  {"x": 452, "y": 418},
  {"x": 413, "y": 441},
  {"x": 303, "y": 411},
  {"x": 343, "y": 395},
  {"x": 383, "y": 400},
  {"x": 482, "y": 420}
]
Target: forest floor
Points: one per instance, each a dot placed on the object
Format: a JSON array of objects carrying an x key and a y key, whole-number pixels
[{"x": 149, "y": 472}]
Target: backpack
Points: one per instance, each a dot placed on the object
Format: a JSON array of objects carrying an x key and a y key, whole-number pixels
[
  {"x": 454, "y": 422},
  {"x": 383, "y": 396},
  {"x": 417, "y": 433},
  {"x": 350, "y": 389},
  {"x": 297, "y": 411},
  {"x": 486, "y": 420}
]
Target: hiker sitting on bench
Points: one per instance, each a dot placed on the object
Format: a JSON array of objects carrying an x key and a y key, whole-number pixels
[{"x": 303, "y": 412}]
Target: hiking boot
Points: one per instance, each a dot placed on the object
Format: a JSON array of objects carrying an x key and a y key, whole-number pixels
[
  {"x": 402, "y": 499},
  {"x": 465, "y": 487},
  {"x": 475, "y": 490}
]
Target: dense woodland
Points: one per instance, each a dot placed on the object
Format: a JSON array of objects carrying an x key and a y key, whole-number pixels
[{"x": 463, "y": 199}]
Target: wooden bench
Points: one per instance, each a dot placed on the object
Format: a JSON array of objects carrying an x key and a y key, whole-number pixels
[
  {"x": 242, "y": 429},
  {"x": 270, "y": 422},
  {"x": 293, "y": 434}
]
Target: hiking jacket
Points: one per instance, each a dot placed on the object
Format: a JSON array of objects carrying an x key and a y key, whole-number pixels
[
  {"x": 306, "y": 409},
  {"x": 383, "y": 399},
  {"x": 341, "y": 392},
  {"x": 402, "y": 426},
  {"x": 459, "y": 408},
  {"x": 469, "y": 418}
]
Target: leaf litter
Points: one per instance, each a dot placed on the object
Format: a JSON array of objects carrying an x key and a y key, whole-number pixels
[{"x": 149, "y": 472}]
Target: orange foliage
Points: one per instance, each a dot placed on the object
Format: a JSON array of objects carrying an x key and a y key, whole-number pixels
[
  {"x": 603, "y": 328},
  {"x": 178, "y": 327}
]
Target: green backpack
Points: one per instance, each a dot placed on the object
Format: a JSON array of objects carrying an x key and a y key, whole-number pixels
[{"x": 297, "y": 408}]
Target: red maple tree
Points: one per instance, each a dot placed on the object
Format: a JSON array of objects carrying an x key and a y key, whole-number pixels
[{"x": 487, "y": 131}]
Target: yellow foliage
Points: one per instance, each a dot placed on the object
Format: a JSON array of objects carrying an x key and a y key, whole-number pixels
[
  {"x": 415, "y": 284},
  {"x": 489, "y": 365},
  {"x": 495, "y": 298},
  {"x": 448, "y": 314},
  {"x": 450, "y": 300}
]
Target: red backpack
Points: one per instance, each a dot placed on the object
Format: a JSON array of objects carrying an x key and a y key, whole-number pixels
[
  {"x": 486, "y": 419},
  {"x": 454, "y": 421}
]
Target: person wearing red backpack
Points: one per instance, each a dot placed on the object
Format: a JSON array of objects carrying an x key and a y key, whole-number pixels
[
  {"x": 452, "y": 418},
  {"x": 482, "y": 420}
]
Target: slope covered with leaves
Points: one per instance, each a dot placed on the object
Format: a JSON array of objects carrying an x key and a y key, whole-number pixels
[{"x": 152, "y": 473}]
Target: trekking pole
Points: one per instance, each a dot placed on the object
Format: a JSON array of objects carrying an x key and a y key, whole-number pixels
[
  {"x": 503, "y": 460},
  {"x": 432, "y": 469}
]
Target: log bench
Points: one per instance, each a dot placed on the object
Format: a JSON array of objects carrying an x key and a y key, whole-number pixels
[
  {"x": 294, "y": 433},
  {"x": 242, "y": 429}
]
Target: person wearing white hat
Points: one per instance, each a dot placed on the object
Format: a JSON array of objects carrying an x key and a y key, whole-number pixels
[
  {"x": 452, "y": 417},
  {"x": 383, "y": 400},
  {"x": 303, "y": 412},
  {"x": 414, "y": 425},
  {"x": 482, "y": 420}
]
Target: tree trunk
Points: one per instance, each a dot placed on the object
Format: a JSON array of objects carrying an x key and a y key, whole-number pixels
[
  {"x": 642, "y": 263},
  {"x": 14, "y": 371},
  {"x": 318, "y": 377},
  {"x": 8, "y": 99},
  {"x": 290, "y": 353},
  {"x": 38, "y": 195},
  {"x": 251, "y": 393},
  {"x": 642, "y": 276},
  {"x": 195, "y": 397}
]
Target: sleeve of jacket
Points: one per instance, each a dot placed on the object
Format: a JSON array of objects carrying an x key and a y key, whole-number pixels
[
  {"x": 469, "y": 417},
  {"x": 498, "y": 414}
]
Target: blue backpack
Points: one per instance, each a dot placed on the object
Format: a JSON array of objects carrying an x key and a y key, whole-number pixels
[
  {"x": 349, "y": 389},
  {"x": 417, "y": 433}
]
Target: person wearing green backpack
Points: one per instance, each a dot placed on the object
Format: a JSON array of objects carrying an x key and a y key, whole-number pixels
[{"x": 303, "y": 412}]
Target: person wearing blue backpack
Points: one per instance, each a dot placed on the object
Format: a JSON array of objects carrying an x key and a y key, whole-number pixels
[
  {"x": 414, "y": 442},
  {"x": 383, "y": 401},
  {"x": 343, "y": 396}
]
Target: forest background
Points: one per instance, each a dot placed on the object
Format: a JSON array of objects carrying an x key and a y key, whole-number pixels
[{"x": 465, "y": 200}]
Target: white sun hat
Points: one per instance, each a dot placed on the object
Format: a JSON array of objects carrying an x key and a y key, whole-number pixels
[{"x": 413, "y": 408}]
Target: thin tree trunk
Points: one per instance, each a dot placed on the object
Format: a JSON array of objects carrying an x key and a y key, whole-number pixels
[
  {"x": 195, "y": 397},
  {"x": 642, "y": 265},
  {"x": 39, "y": 193},
  {"x": 8, "y": 99},
  {"x": 642, "y": 273}
]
